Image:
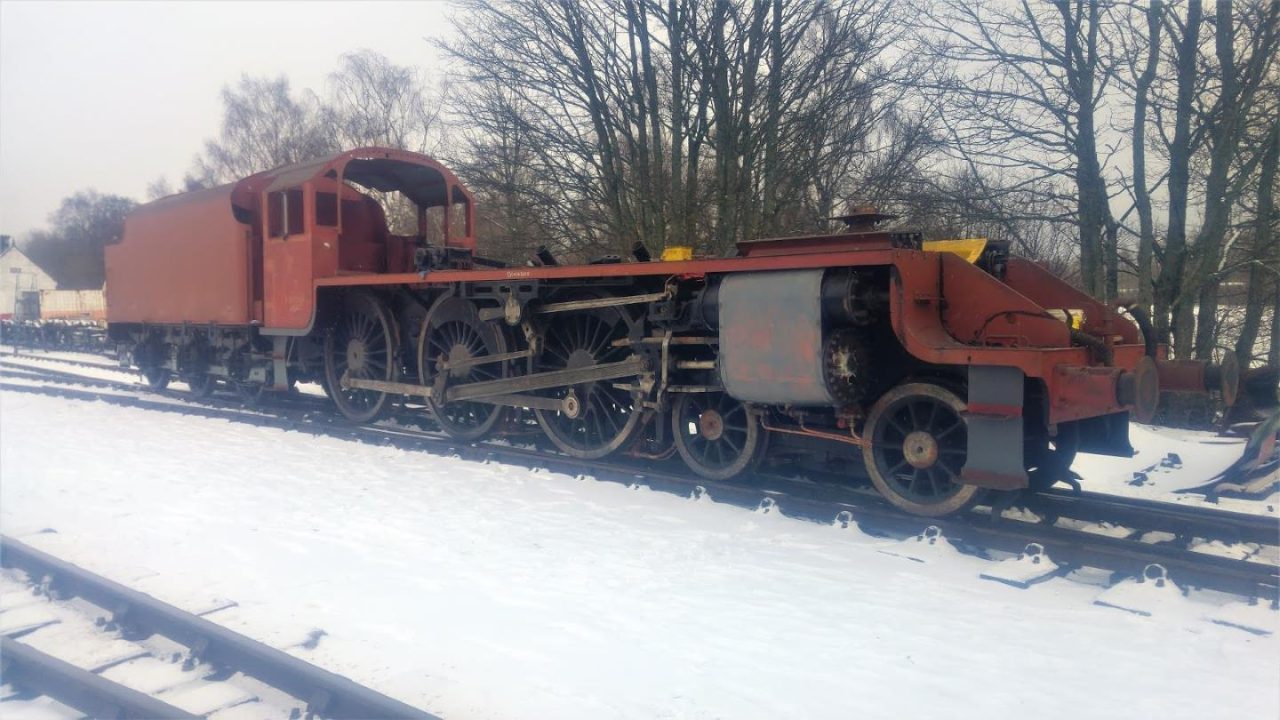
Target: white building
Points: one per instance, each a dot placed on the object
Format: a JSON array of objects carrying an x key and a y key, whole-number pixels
[{"x": 18, "y": 275}]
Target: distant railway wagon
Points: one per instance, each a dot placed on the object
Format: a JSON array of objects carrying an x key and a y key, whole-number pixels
[
  {"x": 57, "y": 319},
  {"x": 73, "y": 305},
  {"x": 947, "y": 375}
]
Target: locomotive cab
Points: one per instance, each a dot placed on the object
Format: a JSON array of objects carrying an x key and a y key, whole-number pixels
[{"x": 362, "y": 212}]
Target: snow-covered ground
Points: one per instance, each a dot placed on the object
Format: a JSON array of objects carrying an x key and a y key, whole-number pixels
[
  {"x": 1167, "y": 461},
  {"x": 491, "y": 591}
]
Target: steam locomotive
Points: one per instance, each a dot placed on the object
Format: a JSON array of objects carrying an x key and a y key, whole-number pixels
[{"x": 946, "y": 370}]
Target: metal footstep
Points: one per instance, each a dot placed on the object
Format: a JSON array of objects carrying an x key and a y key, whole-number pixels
[{"x": 1031, "y": 566}]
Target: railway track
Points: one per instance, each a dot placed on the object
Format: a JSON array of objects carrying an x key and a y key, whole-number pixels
[
  {"x": 67, "y": 361},
  {"x": 1127, "y": 535},
  {"x": 76, "y": 644}
]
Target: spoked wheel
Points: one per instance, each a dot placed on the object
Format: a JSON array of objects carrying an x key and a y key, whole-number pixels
[
  {"x": 200, "y": 385},
  {"x": 361, "y": 345},
  {"x": 193, "y": 361},
  {"x": 250, "y": 393},
  {"x": 601, "y": 417},
  {"x": 716, "y": 435},
  {"x": 157, "y": 378},
  {"x": 918, "y": 444},
  {"x": 452, "y": 336}
]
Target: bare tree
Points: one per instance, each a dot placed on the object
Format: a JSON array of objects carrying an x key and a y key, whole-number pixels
[
  {"x": 495, "y": 153},
  {"x": 1019, "y": 87},
  {"x": 71, "y": 250},
  {"x": 680, "y": 121},
  {"x": 1154, "y": 17},
  {"x": 372, "y": 101},
  {"x": 159, "y": 188},
  {"x": 263, "y": 126},
  {"x": 1264, "y": 260},
  {"x": 1243, "y": 64}
]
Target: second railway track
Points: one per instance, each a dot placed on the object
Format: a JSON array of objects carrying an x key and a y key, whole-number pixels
[{"x": 105, "y": 650}]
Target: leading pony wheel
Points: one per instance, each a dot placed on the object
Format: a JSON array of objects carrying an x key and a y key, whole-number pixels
[
  {"x": 918, "y": 442},
  {"x": 361, "y": 345}
]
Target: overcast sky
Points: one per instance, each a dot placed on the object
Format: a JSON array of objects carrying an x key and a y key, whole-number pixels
[{"x": 112, "y": 95}]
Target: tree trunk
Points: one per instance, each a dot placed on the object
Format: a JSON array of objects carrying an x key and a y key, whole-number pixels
[
  {"x": 1142, "y": 195},
  {"x": 1091, "y": 190},
  {"x": 1225, "y": 139},
  {"x": 677, "y": 229},
  {"x": 1273, "y": 357},
  {"x": 773, "y": 112},
  {"x": 725, "y": 146},
  {"x": 1258, "y": 279},
  {"x": 606, "y": 141},
  {"x": 1168, "y": 284}
]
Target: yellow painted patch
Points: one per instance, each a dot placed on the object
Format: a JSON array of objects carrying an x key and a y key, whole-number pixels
[{"x": 969, "y": 248}]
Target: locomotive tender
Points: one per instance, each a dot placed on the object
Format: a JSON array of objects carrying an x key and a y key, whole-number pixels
[{"x": 949, "y": 375}]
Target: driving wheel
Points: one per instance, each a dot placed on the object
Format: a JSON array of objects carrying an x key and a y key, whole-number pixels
[
  {"x": 361, "y": 345},
  {"x": 598, "y": 417},
  {"x": 452, "y": 338}
]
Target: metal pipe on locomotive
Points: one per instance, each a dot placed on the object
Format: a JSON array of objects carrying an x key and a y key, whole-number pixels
[{"x": 948, "y": 375}]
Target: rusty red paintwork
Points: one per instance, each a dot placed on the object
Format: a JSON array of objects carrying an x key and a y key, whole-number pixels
[
  {"x": 976, "y": 303},
  {"x": 227, "y": 264},
  {"x": 943, "y": 309},
  {"x": 201, "y": 275},
  {"x": 1182, "y": 375}
]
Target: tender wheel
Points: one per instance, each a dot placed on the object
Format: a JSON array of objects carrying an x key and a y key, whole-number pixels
[
  {"x": 716, "y": 435},
  {"x": 201, "y": 385},
  {"x": 157, "y": 378},
  {"x": 361, "y": 345},
  {"x": 250, "y": 392},
  {"x": 453, "y": 333},
  {"x": 599, "y": 417},
  {"x": 918, "y": 443}
]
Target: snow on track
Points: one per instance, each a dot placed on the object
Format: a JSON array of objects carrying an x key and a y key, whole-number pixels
[
  {"x": 494, "y": 591},
  {"x": 68, "y": 630},
  {"x": 1168, "y": 461}
]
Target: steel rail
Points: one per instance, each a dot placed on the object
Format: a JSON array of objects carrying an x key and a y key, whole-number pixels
[
  {"x": 26, "y": 667},
  {"x": 325, "y": 693},
  {"x": 823, "y": 503},
  {"x": 26, "y": 371},
  {"x": 1159, "y": 516},
  {"x": 78, "y": 363}
]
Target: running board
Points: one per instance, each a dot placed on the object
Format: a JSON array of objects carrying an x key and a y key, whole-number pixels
[{"x": 488, "y": 314}]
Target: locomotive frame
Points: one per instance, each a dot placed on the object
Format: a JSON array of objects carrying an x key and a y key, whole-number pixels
[{"x": 949, "y": 377}]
